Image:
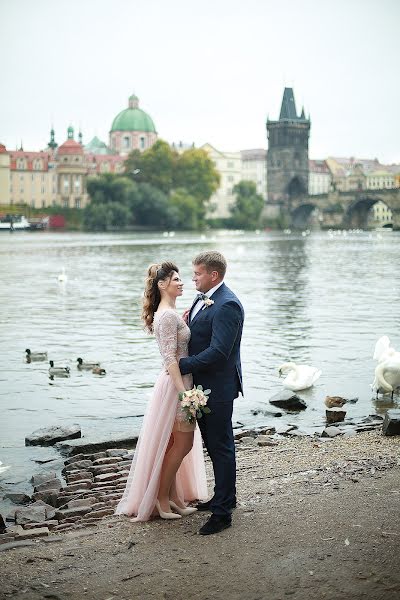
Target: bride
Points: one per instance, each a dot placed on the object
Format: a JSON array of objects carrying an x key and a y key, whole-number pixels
[{"x": 168, "y": 467}]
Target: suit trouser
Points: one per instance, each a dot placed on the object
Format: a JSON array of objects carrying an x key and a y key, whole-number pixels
[{"x": 217, "y": 433}]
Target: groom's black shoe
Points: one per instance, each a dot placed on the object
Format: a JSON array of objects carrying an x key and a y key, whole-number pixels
[
  {"x": 215, "y": 524},
  {"x": 204, "y": 506}
]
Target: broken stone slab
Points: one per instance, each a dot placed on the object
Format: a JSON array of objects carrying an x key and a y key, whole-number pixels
[
  {"x": 331, "y": 432},
  {"x": 75, "y": 511},
  {"x": 95, "y": 456},
  {"x": 50, "y": 510},
  {"x": 51, "y": 484},
  {"x": 109, "y": 460},
  {"x": 48, "y": 496},
  {"x": 106, "y": 469},
  {"x": 79, "y": 502},
  {"x": 86, "y": 445},
  {"x": 288, "y": 400},
  {"x": 84, "y": 484},
  {"x": 31, "y": 514},
  {"x": 99, "y": 514},
  {"x": 18, "y": 497},
  {"x": 117, "y": 452},
  {"x": 39, "y": 478},
  {"x": 391, "y": 423},
  {"x": 79, "y": 476},
  {"x": 32, "y": 533},
  {"x": 80, "y": 465},
  {"x": 74, "y": 459},
  {"x": 335, "y": 415},
  {"x": 47, "y": 436},
  {"x": 50, "y": 523},
  {"x": 106, "y": 477}
]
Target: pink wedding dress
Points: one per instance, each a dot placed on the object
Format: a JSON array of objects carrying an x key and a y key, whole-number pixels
[{"x": 163, "y": 416}]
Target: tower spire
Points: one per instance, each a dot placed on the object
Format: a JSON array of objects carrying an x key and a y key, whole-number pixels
[
  {"x": 288, "y": 108},
  {"x": 52, "y": 143}
]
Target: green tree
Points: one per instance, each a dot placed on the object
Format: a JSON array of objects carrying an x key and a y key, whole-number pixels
[
  {"x": 151, "y": 207},
  {"x": 248, "y": 205},
  {"x": 97, "y": 217},
  {"x": 156, "y": 166},
  {"x": 196, "y": 172},
  {"x": 187, "y": 210},
  {"x": 108, "y": 188}
]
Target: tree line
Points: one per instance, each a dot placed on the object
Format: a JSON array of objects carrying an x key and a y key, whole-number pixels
[{"x": 163, "y": 189}]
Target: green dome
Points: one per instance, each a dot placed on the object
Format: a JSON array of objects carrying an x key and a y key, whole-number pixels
[{"x": 133, "y": 119}]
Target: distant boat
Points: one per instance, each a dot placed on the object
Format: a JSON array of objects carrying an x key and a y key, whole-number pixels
[{"x": 14, "y": 223}]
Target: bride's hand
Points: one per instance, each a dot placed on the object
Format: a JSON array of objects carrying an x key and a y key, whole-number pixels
[{"x": 185, "y": 315}]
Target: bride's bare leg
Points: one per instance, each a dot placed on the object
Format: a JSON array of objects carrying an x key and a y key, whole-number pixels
[{"x": 182, "y": 444}]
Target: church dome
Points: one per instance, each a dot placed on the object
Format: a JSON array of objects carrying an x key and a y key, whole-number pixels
[{"x": 133, "y": 118}]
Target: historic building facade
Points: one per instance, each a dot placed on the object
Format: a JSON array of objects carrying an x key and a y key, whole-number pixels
[
  {"x": 58, "y": 174},
  {"x": 287, "y": 156},
  {"x": 254, "y": 168},
  {"x": 319, "y": 177},
  {"x": 229, "y": 166}
]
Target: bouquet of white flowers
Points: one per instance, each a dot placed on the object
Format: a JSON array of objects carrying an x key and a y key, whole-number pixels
[{"x": 193, "y": 403}]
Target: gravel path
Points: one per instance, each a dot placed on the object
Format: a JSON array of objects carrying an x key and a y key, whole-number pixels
[{"x": 315, "y": 520}]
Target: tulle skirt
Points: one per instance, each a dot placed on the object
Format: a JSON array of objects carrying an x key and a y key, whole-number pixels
[{"x": 143, "y": 482}]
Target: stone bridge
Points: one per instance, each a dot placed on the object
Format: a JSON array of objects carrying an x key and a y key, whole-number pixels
[{"x": 345, "y": 210}]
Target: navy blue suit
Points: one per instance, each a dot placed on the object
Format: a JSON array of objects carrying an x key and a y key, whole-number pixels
[{"x": 214, "y": 361}]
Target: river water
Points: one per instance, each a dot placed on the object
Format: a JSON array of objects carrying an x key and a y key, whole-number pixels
[{"x": 321, "y": 299}]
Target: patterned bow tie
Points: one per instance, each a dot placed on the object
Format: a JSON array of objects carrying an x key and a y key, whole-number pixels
[{"x": 201, "y": 296}]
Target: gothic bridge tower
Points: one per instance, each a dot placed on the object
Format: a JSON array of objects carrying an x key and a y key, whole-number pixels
[{"x": 287, "y": 157}]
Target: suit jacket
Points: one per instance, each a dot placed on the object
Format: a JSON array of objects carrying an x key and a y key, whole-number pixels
[{"x": 214, "y": 347}]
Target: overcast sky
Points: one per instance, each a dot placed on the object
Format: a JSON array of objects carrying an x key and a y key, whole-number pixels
[{"x": 205, "y": 70}]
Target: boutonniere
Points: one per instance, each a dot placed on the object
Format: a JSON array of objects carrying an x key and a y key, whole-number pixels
[{"x": 207, "y": 302}]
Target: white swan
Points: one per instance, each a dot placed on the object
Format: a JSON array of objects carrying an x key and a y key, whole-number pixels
[
  {"x": 382, "y": 348},
  {"x": 300, "y": 377},
  {"x": 63, "y": 276},
  {"x": 387, "y": 373}
]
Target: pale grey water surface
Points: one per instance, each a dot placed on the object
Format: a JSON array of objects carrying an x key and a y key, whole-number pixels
[{"x": 321, "y": 299}]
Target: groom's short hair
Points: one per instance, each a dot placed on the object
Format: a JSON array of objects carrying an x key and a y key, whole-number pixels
[{"x": 213, "y": 261}]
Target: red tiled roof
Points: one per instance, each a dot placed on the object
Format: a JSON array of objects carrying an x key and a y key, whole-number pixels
[
  {"x": 70, "y": 147},
  {"x": 29, "y": 157}
]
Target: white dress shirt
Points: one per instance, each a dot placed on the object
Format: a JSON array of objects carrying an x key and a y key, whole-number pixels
[{"x": 200, "y": 303}]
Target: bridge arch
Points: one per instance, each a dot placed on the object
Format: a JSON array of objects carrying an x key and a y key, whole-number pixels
[
  {"x": 305, "y": 215},
  {"x": 357, "y": 213}
]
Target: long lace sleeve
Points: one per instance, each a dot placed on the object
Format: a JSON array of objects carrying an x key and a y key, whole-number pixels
[{"x": 167, "y": 336}]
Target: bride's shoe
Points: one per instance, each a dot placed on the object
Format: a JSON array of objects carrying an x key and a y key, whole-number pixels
[
  {"x": 189, "y": 510},
  {"x": 166, "y": 515}
]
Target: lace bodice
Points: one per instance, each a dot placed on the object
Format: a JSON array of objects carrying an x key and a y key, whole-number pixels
[{"x": 172, "y": 335}]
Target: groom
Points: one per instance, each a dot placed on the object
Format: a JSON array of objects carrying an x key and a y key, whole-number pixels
[{"x": 216, "y": 322}]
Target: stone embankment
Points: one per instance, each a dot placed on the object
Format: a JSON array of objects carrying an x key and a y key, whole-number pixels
[
  {"x": 96, "y": 480},
  {"x": 94, "y": 485}
]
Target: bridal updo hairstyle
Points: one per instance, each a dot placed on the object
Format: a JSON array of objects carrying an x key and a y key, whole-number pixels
[{"x": 152, "y": 296}]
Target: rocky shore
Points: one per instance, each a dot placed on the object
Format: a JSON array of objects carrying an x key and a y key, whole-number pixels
[
  {"x": 316, "y": 518},
  {"x": 91, "y": 483}
]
